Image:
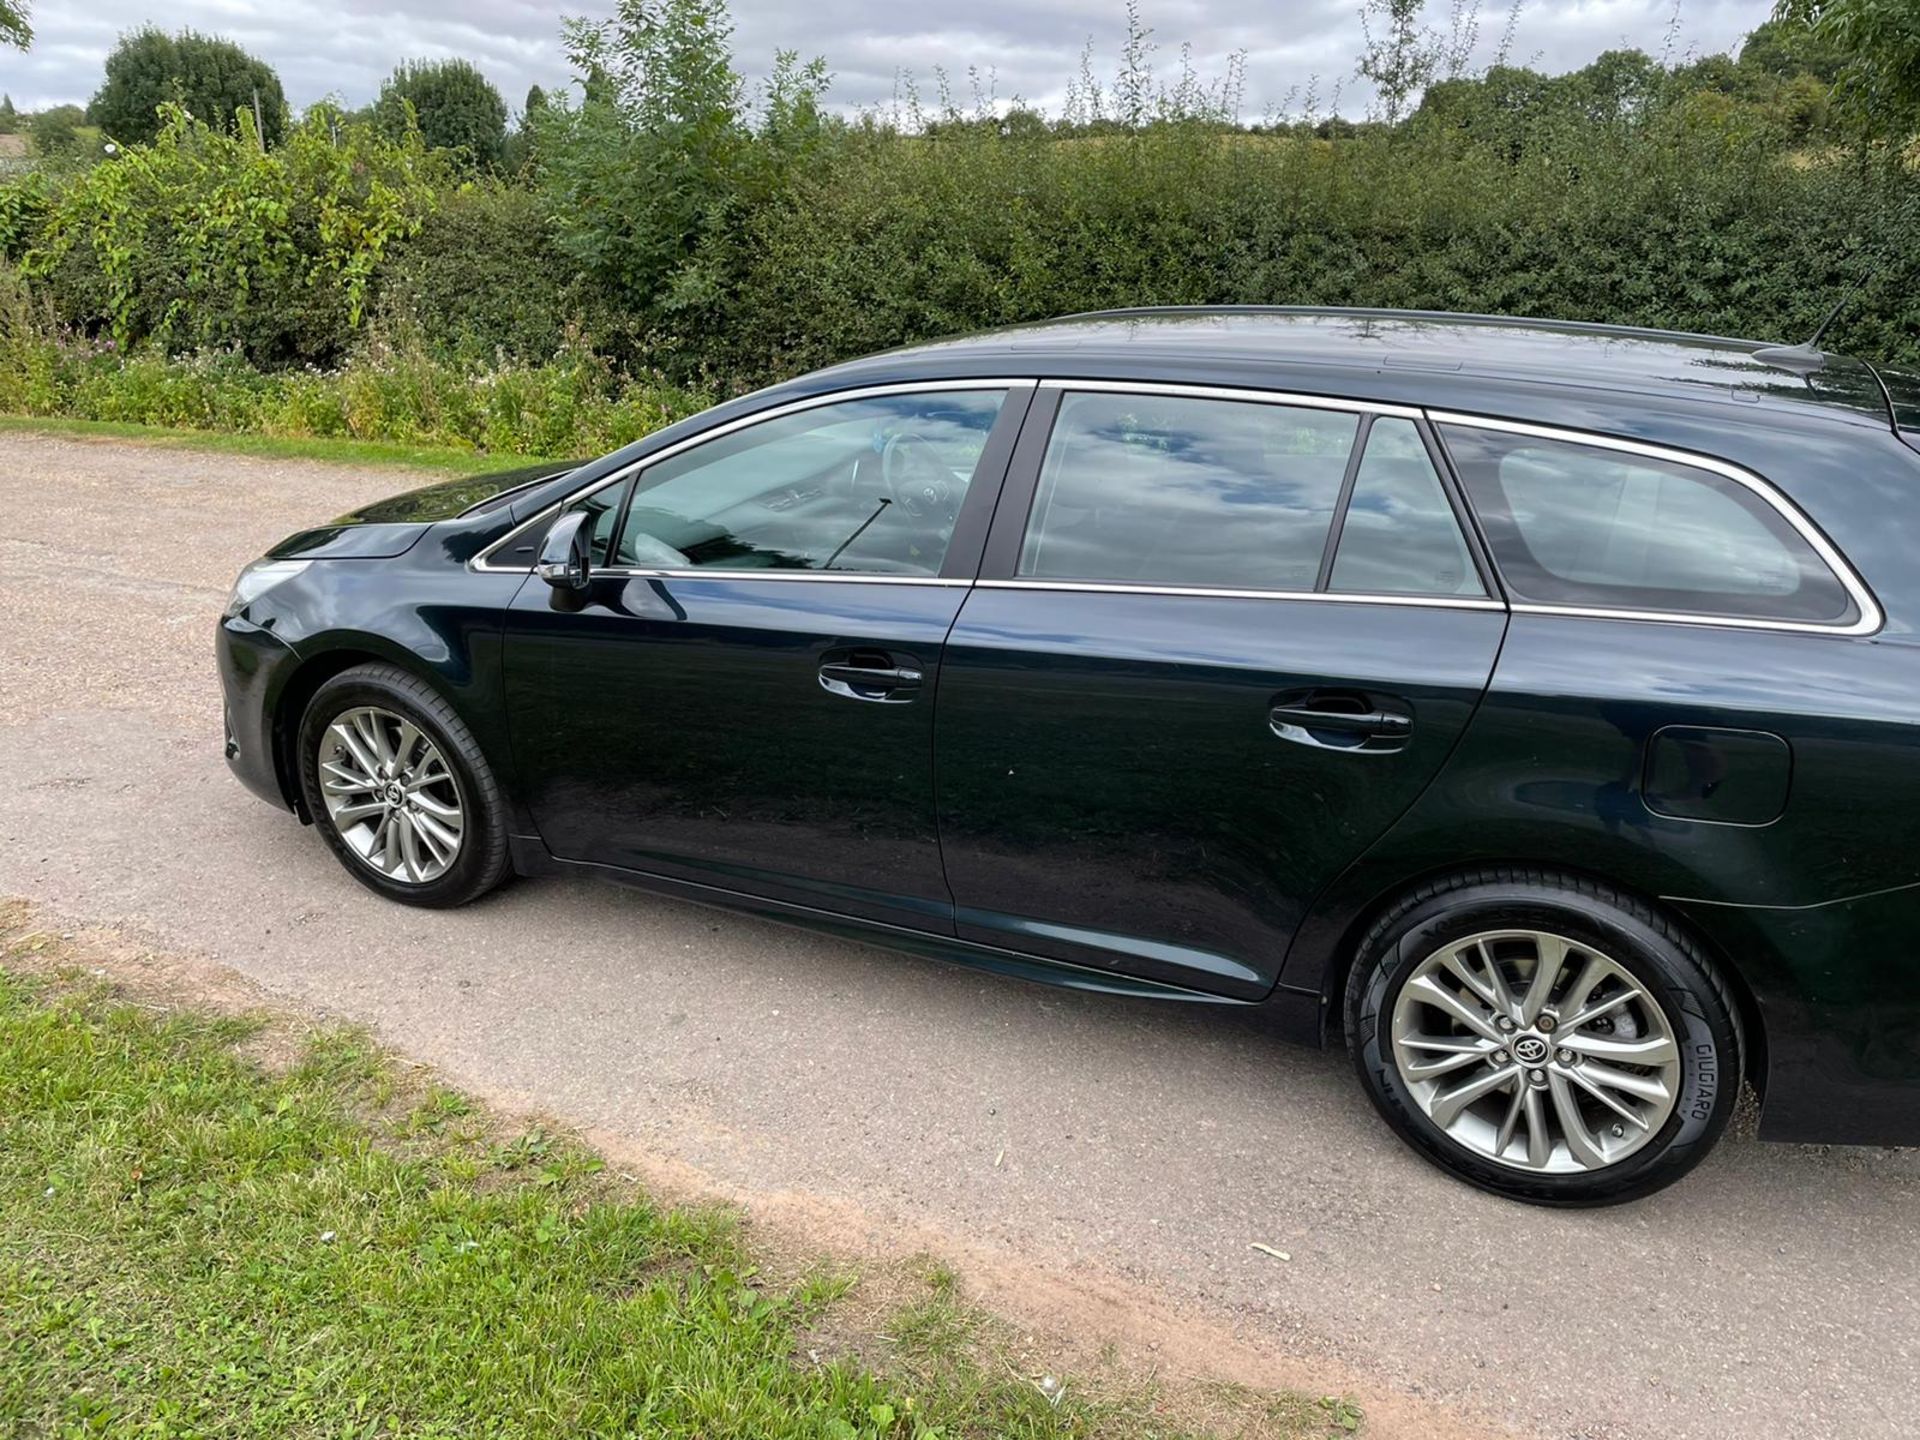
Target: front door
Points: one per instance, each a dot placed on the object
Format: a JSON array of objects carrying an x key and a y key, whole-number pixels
[
  {"x": 1219, "y": 650},
  {"x": 743, "y": 698}
]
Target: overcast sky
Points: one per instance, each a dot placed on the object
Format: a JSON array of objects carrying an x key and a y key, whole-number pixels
[{"x": 1032, "y": 47}]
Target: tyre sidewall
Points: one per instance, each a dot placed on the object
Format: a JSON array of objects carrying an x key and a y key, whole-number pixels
[
  {"x": 1704, "y": 1029},
  {"x": 470, "y": 872}
]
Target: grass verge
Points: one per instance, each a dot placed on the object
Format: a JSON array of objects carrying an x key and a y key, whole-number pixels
[
  {"x": 436, "y": 459},
  {"x": 198, "y": 1242}
]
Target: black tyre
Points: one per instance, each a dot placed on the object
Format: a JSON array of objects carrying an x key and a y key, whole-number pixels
[
  {"x": 394, "y": 780},
  {"x": 1544, "y": 1038}
]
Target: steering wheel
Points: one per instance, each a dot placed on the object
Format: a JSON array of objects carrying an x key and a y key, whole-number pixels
[{"x": 916, "y": 477}]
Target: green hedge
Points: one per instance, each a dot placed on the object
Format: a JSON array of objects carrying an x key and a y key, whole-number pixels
[
  {"x": 1681, "y": 226},
  {"x": 668, "y": 240}
]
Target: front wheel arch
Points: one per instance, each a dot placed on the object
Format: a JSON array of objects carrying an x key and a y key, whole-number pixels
[
  {"x": 454, "y": 768},
  {"x": 290, "y": 708}
]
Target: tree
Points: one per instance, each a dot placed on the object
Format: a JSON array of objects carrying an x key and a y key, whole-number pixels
[
  {"x": 636, "y": 174},
  {"x": 213, "y": 78},
  {"x": 1401, "y": 58},
  {"x": 1620, "y": 86},
  {"x": 518, "y": 154},
  {"x": 1878, "y": 85},
  {"x": 1788, "y": 49},
  {"x": 456, "y": 107},
  {"x": 14, "y": 29},
  {"x": 9, "y": 117}
]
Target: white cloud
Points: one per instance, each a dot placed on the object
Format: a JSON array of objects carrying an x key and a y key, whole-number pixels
[{"x": 1031, "y": 48}]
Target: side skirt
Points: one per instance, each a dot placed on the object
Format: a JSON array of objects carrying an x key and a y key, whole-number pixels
[{"x": 1293, "y": 1015}]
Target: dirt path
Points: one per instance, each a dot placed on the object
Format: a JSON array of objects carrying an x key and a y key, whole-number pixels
[{"x": 1098, "y": 1165}]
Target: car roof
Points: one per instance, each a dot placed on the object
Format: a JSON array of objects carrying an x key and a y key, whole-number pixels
[{"x": 1473, "y": 354}]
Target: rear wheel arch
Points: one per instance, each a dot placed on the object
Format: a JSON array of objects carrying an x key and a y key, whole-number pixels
[{"x": 1414, "y": 890}]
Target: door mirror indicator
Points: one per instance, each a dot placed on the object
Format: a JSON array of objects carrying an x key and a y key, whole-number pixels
[{"x": 566, "y": 554}]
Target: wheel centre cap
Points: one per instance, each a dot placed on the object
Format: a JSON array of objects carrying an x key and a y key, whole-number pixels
[
  {"x": 1530, "y": 1049},
  {"x": 396, "y": 793}
]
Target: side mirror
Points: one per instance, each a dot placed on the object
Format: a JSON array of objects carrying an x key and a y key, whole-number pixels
[{"x": 566, "y": 553}]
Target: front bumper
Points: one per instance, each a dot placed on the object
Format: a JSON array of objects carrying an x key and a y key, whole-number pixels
[{"x": 254, "y": 666}]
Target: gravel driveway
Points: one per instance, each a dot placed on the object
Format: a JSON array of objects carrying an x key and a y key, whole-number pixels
[{"x": 1107, "y": 1162}]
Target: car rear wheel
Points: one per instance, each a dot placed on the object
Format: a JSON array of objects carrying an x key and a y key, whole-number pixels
[
  {"x": 1544, "y": 1038},
  {"x": 396, "y": 783}
]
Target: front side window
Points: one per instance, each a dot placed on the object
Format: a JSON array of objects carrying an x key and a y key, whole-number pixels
[
  {"x": 871, "y": 485},
  {"x": 1182, "y": 491},
  {"x": 1592, "y": 527},
  {"x": 604, "y": 506}
]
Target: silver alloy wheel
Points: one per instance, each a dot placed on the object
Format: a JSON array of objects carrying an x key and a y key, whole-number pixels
[
  {"x": 1535, "y": 1051},
  {"x": 391, "y": 795}
]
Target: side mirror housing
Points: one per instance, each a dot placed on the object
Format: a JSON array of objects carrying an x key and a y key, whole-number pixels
[{"x": 566, "y": 554}]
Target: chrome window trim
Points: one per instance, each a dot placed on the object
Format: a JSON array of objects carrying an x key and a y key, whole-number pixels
[
  {"x": 1180, "y": 389},
  {"x": 1868, "y": 621},
  {"x": 835, "y": 577},
  {"x": 481, "y": 561},
  {"x": 1336, "y": 597}
]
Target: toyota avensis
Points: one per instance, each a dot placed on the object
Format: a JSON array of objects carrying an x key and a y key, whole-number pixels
[{"x": 1532, "y": 708}]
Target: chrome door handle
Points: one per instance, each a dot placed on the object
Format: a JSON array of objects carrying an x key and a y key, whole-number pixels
[
  {"x": 1379, "y": 724},
  {"x": 1342, "y": 720},
  {"x": 888, "y": 679},
  {"x": 871, "y": 675}
]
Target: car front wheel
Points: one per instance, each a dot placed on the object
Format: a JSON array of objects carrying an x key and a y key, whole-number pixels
[
  {"x": 1544, "y": 1037},
  {"x": 394, "y": 780}
]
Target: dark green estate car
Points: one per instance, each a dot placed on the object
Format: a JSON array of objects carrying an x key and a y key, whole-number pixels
[{"x": 1532, "y": 708}]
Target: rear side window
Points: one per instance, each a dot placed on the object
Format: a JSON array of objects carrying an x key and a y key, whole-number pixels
[
  {"x": 1400, "y": 535},
  {"x": 1597, "y": 528},
  {"x": 1181, "y": 491}
]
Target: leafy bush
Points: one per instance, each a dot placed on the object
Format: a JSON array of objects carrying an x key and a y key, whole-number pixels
[
  {"x": 482, "y": 276},
  {"x": 204, "y": 239},
  {"x": 572, "y": 405},
  {"x": 24, "y": 208},
  {"x": 1878, "y": 46}
]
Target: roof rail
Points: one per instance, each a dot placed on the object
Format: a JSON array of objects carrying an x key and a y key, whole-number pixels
[{"x": 1361, "y": 312}]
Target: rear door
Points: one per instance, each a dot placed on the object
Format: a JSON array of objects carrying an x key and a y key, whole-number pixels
[
  {"x": 743, "y": 698},
  {"x": 1221, "y": 642}
]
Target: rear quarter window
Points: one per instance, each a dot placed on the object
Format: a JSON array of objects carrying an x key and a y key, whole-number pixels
[{"x": 1591, "y": 527}]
